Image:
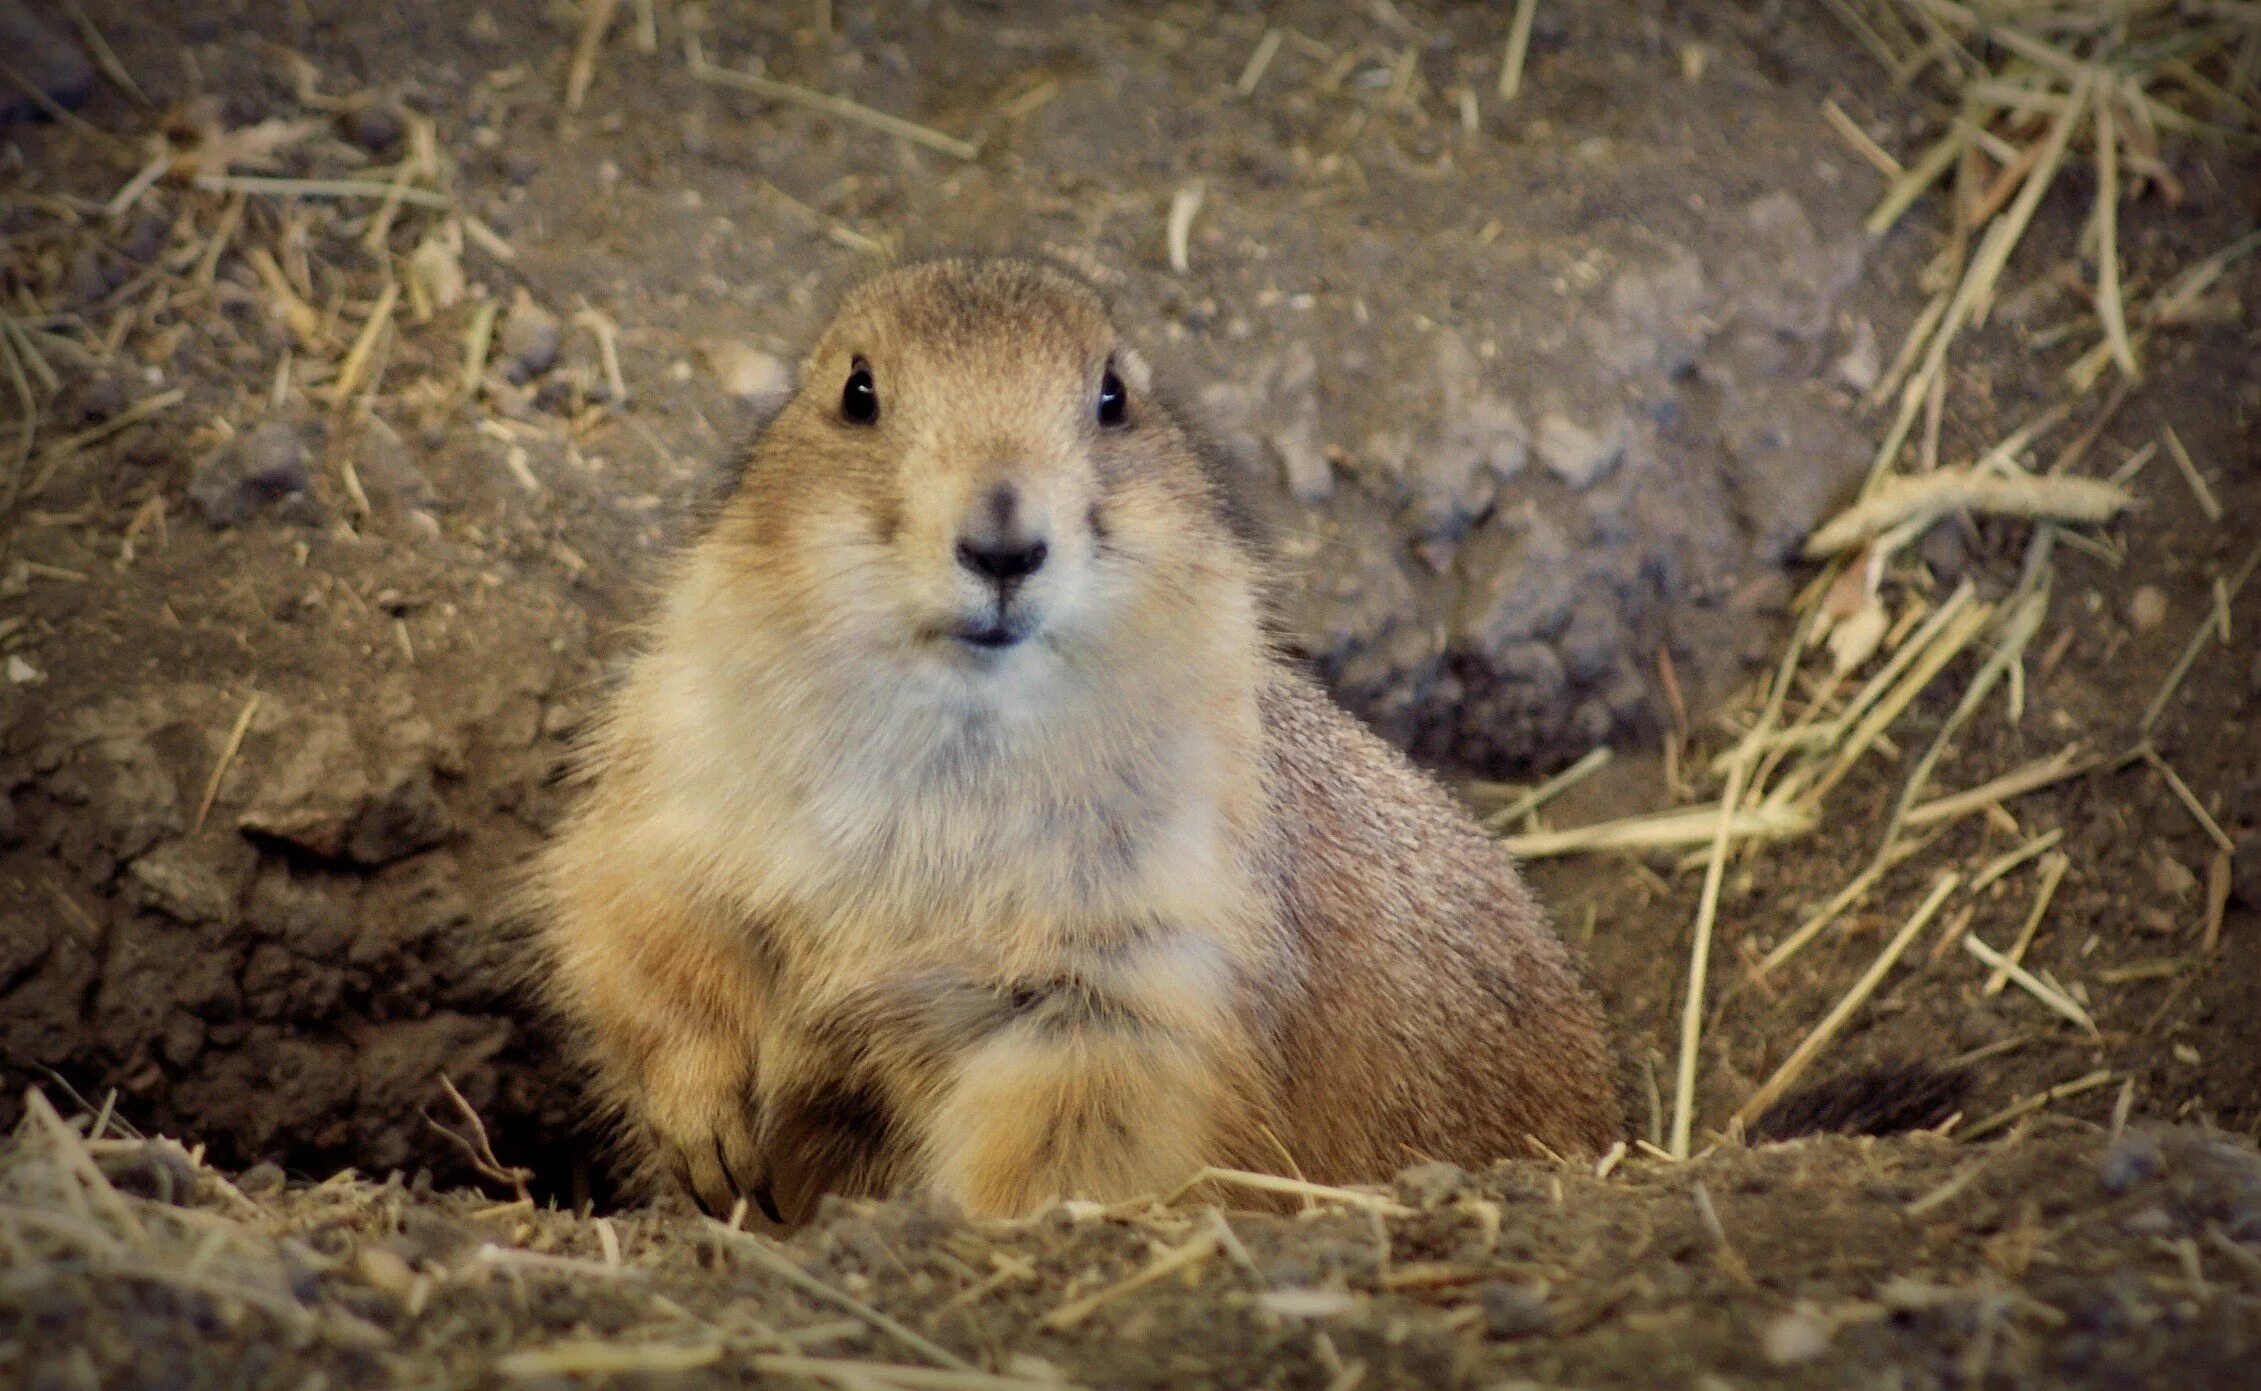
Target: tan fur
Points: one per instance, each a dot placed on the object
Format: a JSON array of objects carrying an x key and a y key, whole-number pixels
[{"x": 851, "y": 906}]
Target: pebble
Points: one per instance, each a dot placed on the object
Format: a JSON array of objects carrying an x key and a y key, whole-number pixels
[
  {"x": 405, "y": 818},
  {"x": 1433, "y": 1184},
  {"x": 180, "y": 882},
  {"x": 1862, "y": 362},
  {"x": 375, "y": 127},
  {"x": 2131, "y": 1159},
  {"x": 1794, "y": 1338},
  {"x": 1299, "y": 441},
  {"x": 2147, "y": 608},
  {"x": 388, "y": 474},
  {"x": 264, "y": 466},
  {"x": 747, "y": 372},
  {"x": 47, "y": 61},
  {"x": 530, "y": 339},
  {"x": 1513, "y": 1311},
  {"x": 2245, "y": 870},
  {"x": 1576, "y": 455}
]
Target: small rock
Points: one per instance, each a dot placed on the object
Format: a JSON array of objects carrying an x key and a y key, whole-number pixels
[
  {"x": 1520, "y": 587},
  {"x": 375, "y": 127},
  {"x": 92, "y": 275},
  {"x": 2147, "y": 608},
  {"x": 747, "y": 372},
  {"x": 1298, "y": 440},
  {"x": 531, "y": 336},
  {"x": 1794, "y": 1338},
  {"x": 437, "y": 267},
  {"x": 1657, "y": 316},
  {"x": 182, "y": 883},
  {"x": 407, "y": 817},
  {"x": 46, "y": 60},
  {"x": 23, "y": 673},
  {"x": 2245, "y": 870},
  {"x": 1791, "y": 279},
  {"x": 1946, "y": 550},
  {"x": 2132, "y": 1159},
  {"x": 158, "y": 1170},
  {"x": 2173, "y": 877},
  {"x": 95, "y": 396},
  {"x": 1432, "y": 1185},
  {"x": 1575, "y": 454},
  {"x": 264, "y": 466},
  {"x": 1862, "y": 361},
  {"x": 388, "y": 474},
  {"x": 1513, "y": 1311}
]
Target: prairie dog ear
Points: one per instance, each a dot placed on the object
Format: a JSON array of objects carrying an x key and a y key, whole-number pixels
[{"x": 1133, "y": 369}]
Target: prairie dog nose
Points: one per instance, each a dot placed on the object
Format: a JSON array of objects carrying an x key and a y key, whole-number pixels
[{"x": 997, "y": 544}]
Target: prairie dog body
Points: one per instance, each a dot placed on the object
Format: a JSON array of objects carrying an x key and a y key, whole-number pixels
[{"x": 959, "y": 828}]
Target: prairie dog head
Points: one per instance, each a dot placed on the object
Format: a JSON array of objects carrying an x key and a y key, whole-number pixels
[{"x": 974, "y": 494}]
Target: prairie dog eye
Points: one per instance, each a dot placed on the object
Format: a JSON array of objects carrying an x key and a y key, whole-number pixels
[
  {"x": 1114, "y": 402},
  {"x": 859, "y": 399}
]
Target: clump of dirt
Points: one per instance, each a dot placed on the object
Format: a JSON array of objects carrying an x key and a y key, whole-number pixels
[{"x": 2067, "y": 1259}]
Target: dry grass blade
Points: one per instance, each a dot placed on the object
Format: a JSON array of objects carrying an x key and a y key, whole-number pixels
[
  {"x": 2218, "y": 882},
  {"x": 478, "y": 342},
  {"x": 2018, "y": 630},
  {"x": 1845, "y": 898},
  {"x": 1192, "y": 1253},
  {"x": 476, "y": 1144},
  {"x": 2042, "y": 772},
  {"x": 70, "y": 1150},
  {"x": 354, "y": 370},
  {"x": 2189, "y": 799},
  {"x": 2188, "y": 466},
  {"x": 2216, "y": 618},
  {"x": 1952, "y": 639},
  {"x": 754, "y": 1249},
  {"x": 1185, "y": 205},
  {"x": 512, "y": 1258},
  {"x": 587, "y": 1357},
  {"x": 105, "y": 57},
  {"x": 1259, "y": 62},
  {"x": 860, "y": 1375},
  {"x": 1518, "y": 47},
  {"x": 1811, "y": 1046},
  {"x": 2016, "y": 1110},
  {"x": 1692, "y": 1011},
  {"x": 2057, "y": 1001},
  {"x": 1910, "y": 184},
  {"x": 2009, "y": 860},
  {"x": 227, "y": 756},
  {"x": 1849, "y": 130},
  {"x": 1917, "y": 502},
  {"x": 2108, "y": 306},
  {"x": 1588, "y": 764},
  {"x": 1288, "y": 1187},
  {"x": 831, "y": 105},
  {"x": 320, "y": 188},
  {"x": 596, "y": 21},
  {"x": 1665, "y": 830}
]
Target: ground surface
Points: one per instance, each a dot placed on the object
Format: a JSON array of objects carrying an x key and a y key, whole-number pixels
[{"x": 1537, "y": 411}]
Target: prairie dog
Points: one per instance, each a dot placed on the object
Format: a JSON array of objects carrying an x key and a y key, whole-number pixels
[{"x": 960, "y": 829}]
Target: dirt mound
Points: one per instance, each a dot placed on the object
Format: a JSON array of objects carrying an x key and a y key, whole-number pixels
[{"x": 2063, "y": 1259}]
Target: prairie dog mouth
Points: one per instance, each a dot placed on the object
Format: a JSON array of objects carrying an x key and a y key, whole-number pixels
[{"x": 994, "y": 635}]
